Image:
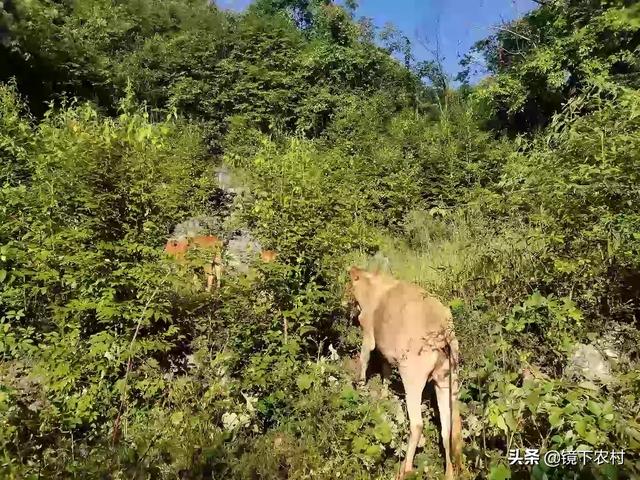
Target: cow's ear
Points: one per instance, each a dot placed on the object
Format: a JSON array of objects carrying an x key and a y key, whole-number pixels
[{"x": 354, "y": 273}]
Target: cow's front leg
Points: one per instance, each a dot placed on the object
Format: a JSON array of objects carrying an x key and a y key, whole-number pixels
[{"x": 368, "y": 344}]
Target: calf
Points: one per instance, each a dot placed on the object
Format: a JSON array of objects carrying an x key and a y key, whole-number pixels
[
  {"x": 268, "y": 256},
  {"x": 178, "y": 249},
  {"x": 414, "y": 332}
]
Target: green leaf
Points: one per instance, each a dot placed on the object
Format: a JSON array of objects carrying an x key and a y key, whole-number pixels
[
  {"x": 588, "y": 434},
  {"x": 533, "y": 401},
  {"x": 177, "y": 417},
  {"x": 498, "y": 421},
  {"x": 304, "y": 382},
  {"x": 383, "y": 433},
  {"x": 581, "y": 427},
  {"x": 373, "y": 451},
  {"x": 557, "y": 440},
  {"x": 304, "y": 329},
  {"x": 499, "y": 472},
  {"x": 594, "y": 407},
  {"x": 510, "y": 421},
  {"x": 556, "y": 417},
  {"x": 359, "y": 444},
  {"x": 536, "y": 300}
]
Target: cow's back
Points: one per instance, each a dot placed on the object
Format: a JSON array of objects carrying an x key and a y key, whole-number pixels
[
  {"x": 268, "y": 256},
  {"x": 207, "y": 241},
  {"x": 405, "y": 319}
]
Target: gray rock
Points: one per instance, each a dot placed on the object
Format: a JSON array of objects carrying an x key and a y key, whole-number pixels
[
  {"x": 238, "y": 190},
  {"x": 194, "y": 226},
  {"x": 223, "y": 177},
  {"x": 611, "y": 344},
  {"x": 242, "y": 250},
  {"x": 588, "y": 363},
  {"x": 228, "y": 183}
]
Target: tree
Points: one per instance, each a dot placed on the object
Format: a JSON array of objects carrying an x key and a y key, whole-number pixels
[{"x": 563, "y": 47}]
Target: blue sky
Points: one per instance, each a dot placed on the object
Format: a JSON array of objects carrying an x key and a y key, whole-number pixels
[{"x": 453, "y": 24}]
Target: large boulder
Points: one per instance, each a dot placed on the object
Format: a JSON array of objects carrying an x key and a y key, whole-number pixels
[
  {"x": 241, "y": 250},
  {"x": 195, "y": 226},
  {"x": 223, "y": 177},
  {"x": 587, "y": 362},
  {"x": 228, "y": 183}
]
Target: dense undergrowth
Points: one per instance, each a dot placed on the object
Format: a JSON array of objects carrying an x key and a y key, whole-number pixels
[{"x": 515, "y": 201}]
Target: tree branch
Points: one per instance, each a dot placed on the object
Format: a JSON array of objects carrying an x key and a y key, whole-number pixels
[{"x": 519, "y": 35}]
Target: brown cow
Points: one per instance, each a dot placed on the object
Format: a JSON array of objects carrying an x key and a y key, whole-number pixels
[
  {"x": 268, "y": 256},
  {"x": 415, "y": 332},
  {"x": 179, "y": 248}
]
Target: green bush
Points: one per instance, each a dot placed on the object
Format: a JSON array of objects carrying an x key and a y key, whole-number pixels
[{"x": 84, "y": 289}]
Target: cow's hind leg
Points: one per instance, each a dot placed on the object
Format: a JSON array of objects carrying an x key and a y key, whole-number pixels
[
  {"x": 414, "y": 372},
  {"x": 447, "y": 394}
]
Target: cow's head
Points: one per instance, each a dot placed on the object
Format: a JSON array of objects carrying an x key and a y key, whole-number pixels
[{"x": 354, "y": 291}]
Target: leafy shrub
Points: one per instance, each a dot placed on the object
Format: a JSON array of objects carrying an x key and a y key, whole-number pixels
[{"x": 82, "y": 272}]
